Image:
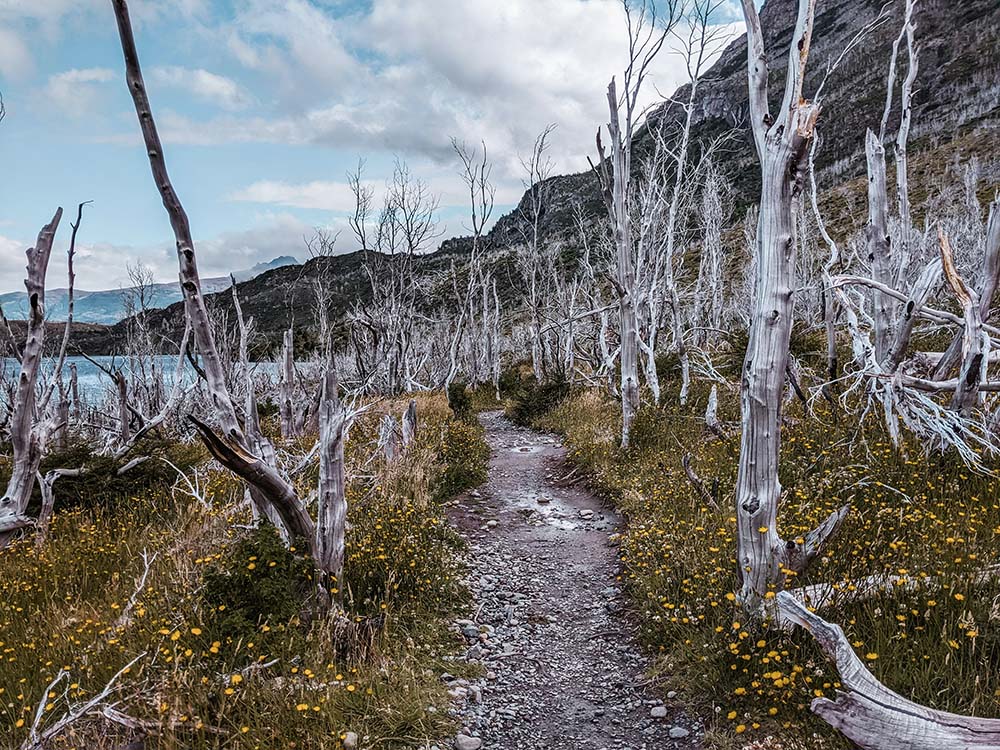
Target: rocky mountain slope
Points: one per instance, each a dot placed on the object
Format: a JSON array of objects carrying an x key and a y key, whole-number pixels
[{"x": 956, "y": 116}]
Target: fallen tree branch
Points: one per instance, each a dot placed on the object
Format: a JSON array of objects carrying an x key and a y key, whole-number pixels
[{"x": 873, "y": 716}]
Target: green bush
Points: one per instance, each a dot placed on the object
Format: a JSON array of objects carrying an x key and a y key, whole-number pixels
[
  {"x": 258, "y": 581},
  {"x": 465, "y": 457},
  {"x": 527, "y": 399},
  {"x": 459, "y": 400}
]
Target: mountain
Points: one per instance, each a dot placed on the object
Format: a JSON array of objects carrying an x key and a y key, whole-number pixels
[
  {"x": 108, "y": 306},
  {"x": 956, "y": 116}
]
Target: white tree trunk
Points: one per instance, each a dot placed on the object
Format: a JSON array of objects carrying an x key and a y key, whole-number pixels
[
  {"x": 782, "y": 145},
  {"x": 331, "y": 522},
  {"x": 26, "y": 443}
]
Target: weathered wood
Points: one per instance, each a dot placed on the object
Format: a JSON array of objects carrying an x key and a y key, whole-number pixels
[
  {"x": 194, "y": 302},
  {"x": 990, "y": 281},
  {"x": 628, "y": 333},
  {"x": 911, "y": 311},
  {"x": 879, "y": 247},
  {"x": 709, "y": 498},
  {"x": 873, "y": 716},
  {"x": 409, "y": 431},
  {"x": 388, "y": 438},
  {"x": 229, "y": 445},
  {"x": 782, "y": 144},
  {"x": 332, "y": 515},
  {"x": 286, "y": 395},
  {"x": 975, "y": 342},
  {"x": 26, "y": 443},
  {"x": 261, "y": 477}
]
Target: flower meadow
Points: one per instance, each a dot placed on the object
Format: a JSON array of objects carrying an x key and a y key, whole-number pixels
[
  {"x": 911, "y": 572},
  {"x": 223, "y": 651}
]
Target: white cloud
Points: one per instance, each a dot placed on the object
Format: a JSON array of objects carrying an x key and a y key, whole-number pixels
[
  {"x": 318, "y": 194},
  {"x": 406, "y": 76},
  {"x": 221, "y": 91},
  {"x": 15, "y": 58},
  {"x": 102, "y": 265},
  {"x": 12, "y": 262},
  {"x": 74, "y": 92}
]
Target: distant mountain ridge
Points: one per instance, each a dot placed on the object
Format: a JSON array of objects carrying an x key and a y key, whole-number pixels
[{"x": 107, "y": 307}]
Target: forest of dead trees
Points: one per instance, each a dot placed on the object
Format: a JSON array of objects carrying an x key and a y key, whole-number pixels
[{"x": 655, "y": 288}]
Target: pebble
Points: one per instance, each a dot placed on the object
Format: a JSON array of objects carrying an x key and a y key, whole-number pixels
[
  {"x": 544, "y": 585},
  {"x": 350, "y": 740}
]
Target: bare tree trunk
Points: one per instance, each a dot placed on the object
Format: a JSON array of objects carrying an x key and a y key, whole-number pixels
[
  {"x": 74, "y": 390},
  {"x": 911, "y": 311},
  {"x": 409, "y": 431},
  {"x": 388, "y": 438},
  {"x": 332, "y": 515},
  {"x": 124, "y": 416},
  {"x": 628, "y": 330},
  {"x": 879, "y": 248},
  {"x": 27, "y": 445},
  {"x": 975, "y": 342},
  {"x": 782, "y": 146},
  {"x": 991, "y": 279},
  {"x": 229, "y": 447},
  {"x": 287, "y": 388}
]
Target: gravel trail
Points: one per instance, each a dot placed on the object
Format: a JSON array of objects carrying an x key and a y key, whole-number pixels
[{"x": 563, "y": 669}]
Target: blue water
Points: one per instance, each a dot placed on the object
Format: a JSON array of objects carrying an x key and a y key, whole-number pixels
[{"x": 94, "y": 383}]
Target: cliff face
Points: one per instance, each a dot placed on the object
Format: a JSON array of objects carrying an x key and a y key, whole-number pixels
[
  {"x": 957, "y": 94},
  {"x": 956, "y": 115}
]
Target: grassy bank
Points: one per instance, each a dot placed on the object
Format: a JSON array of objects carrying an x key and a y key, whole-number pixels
[
  {"x": 933, "y": 635},
  {"x": 231, "y": 658}
]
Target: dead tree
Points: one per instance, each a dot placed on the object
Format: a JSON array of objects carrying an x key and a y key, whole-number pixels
[
  {"x": 475, "y": 174},
  {"x": 225, "y": 439},
  {"x": 697, "y": 46},
  {"x": 647, "y": 32},
  {"x": 286, "y": 395},
  {"x": 871, "y": 715},
  {"x": 975, "y": 341},
  {"x": 27, "y": 438},
  {"x": 409, "y": 431},
  {"x": 531, "y": 259},
  {"x": 331, "y": 521},
  {"x": 782, "y": 143}
]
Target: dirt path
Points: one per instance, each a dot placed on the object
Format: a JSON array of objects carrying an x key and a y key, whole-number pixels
[{"x": 563, "y": 667}]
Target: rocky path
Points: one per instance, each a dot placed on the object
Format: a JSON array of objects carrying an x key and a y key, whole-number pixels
[{"x": 562, "y": 668}]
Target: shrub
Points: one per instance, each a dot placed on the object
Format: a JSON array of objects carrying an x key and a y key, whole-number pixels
[
  {"x": 527, "y": 399},
  {"x": 464, "y": 456},
  {"x": 459, "y": 400},
  {"x": 258, "y": 581}
]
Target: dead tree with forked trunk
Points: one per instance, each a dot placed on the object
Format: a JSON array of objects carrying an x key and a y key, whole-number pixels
[
  {"x": 648, "y": 26},
  {"x": 28, "y": 436},
  {"x": 782, "y": 143}
]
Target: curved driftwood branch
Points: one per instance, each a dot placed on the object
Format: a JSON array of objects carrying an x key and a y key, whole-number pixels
[
  {"x": 261, "y": 477},
  {"x": 873, "y": 716}
]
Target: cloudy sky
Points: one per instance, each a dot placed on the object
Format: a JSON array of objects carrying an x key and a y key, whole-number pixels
[{"x": 264, "y": 105}]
